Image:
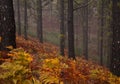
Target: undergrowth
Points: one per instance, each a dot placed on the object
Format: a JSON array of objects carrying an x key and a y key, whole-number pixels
[{"x": 37, "y": 63}]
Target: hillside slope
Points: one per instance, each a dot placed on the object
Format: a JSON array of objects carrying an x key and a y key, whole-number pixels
[{"x": 45, "y": 66}]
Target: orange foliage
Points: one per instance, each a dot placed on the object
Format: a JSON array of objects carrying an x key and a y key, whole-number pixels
[{"x": 55, "y": 69}]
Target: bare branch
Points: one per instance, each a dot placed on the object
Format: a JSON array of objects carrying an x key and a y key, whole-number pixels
[{"x": 83, "y": 5}]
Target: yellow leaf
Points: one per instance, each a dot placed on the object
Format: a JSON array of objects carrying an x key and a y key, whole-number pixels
[
  {"x": 29, "y": 59},
  {"x": 10, "y": 47},
  {"x": 61, "y": 82},
  {"x": 55, "y": 61}
]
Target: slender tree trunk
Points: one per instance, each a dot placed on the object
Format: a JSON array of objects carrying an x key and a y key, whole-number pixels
[
  {"x": 71, "y": 51},
  {"x": 50, "y": 17},
  {"x": 62, "y": 32},
  {"x": 39, "y": 21},
  {"x": 85, "y": 32},
  {"x": 7, "y": 24},
  {"x": 25, "y": 19},
  {"x": 109, "y": 37},
  {"x": 101, "y": 31},
  {"x": 18, "y": 13},
  {"x": 115, "y": 58}
]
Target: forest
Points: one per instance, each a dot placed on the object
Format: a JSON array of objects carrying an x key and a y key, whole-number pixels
[{"x": 59, "y": 41}]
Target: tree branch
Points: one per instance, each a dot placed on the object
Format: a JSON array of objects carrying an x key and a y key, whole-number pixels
[{"x": 83, "y": 5}]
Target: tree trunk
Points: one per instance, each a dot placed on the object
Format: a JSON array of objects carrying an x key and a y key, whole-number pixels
[
  {"x": 71, "y": 51},
  {"x": 62, "y": 32},
  {"x": 85, "y": 32},
  {"x": 25, "y": 19},
  {"x": 7, "y": 24},
  {"x": 115, "y": 58},
  {"x": 101, "y": 31},
  {"x": 19, "y": 21},
  {"x": 109, "y": 37},
  {"x": 50, "y": 12},
  {"x": 39, "y": 21}
]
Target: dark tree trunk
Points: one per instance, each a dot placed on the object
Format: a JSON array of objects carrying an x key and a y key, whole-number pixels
[
  {"x": 62, "y": 32},
  {"x": 50, "y": 13},
  {"x": 101, "y": 31},
  {"x": 115, "y": 58},
  {"x": 71, "y": 51},
  {"x": 7, "y": 24},
  {"x": 19, "y": 21},
  {"x": 39, "y": 21},
  {"x": 109, "y": 37},
  {"x": 25, "y": 20},
  {"x": 85, "y": 32}
]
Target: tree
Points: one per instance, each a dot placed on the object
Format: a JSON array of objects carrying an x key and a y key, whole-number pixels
[
  {"x": 100, "y": 31},
  {"x": 85, "y": 31},
  {"x": 19, "y": 16},
  {"x": 50, "y": 13},
  {"x": 25, "y": 19},
  {"x": 115, "y": 57},
  {"x": 19, "y": 21},
  {"x": 62, "y": 32},
  {"x": 71, "y": 51},
  {"x": 109, "y": 30},
  {"x": 39, "y": 21},
  {"x": 7, "y": 24}
]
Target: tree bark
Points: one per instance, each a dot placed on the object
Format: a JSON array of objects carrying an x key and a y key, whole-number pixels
[
  {"x": 85, "y": 32},
  {"x": 109, "y": 37},
  {"x": 62, "y": 30},
  {"x": 115, "y": 58},
  {"x": 25, "y": 20},
  {"x": 7, "y": 24},
  {"x": 71, "y": 51},
  {"x": 19, "y": 16},
  {"x": 39, "y": 21},
  {"x": 101, "y": 31}
]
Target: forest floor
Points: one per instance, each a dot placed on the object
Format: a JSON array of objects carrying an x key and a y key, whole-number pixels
[{"x": 48, "y": 67}]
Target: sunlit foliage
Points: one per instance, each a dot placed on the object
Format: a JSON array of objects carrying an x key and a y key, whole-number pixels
[
  {"x": 16, "y": 69},
  {"x": 42, "y": 64}
]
